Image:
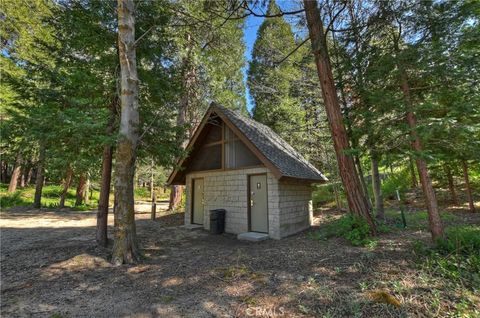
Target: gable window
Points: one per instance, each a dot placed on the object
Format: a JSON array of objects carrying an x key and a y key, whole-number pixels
[
  {"x": 221, "y": 149},
  {"x": 237, "y": 154}
]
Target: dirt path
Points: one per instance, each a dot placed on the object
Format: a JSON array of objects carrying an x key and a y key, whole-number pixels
[{"x": 50, "y": 265}]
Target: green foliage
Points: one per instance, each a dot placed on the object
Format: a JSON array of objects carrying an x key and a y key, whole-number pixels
[
  {"x": 272, "y": 84},
  {"x": 415, "y": 219},
  {"x": 12, "y": 199},
  {"x": 322, "y": 194},
  {"x": 348, "y": 226},
  {"x": 50, "y": 197},
  {"x": 142, "y": 193},
  {"x": 400, "y": 180},
  {"x": 456, "y": 257}
]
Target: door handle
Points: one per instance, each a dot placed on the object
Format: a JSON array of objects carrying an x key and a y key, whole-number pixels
[{"x": 251, "y": 202}]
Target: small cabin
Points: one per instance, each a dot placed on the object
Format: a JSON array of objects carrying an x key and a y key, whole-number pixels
[{"x": 242, "y": 166}]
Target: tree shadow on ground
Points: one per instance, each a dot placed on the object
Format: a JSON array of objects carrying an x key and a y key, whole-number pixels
[{"x": 190, "y": 273}]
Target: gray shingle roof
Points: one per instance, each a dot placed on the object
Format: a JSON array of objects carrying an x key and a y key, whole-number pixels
[{"x": 283, "y": 156}]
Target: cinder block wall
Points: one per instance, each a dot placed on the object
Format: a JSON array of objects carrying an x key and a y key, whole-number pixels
[
  {"x": 295, "y": 203},
  {"x": 289, "y": 203},
  {"x": 228, "y": 190}
]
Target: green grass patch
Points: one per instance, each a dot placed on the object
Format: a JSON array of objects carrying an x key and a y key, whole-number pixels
[
  {"x": 50, "y": 197},
  {"x": 455, "y": 258},
  {"x": 350, "y": 227},
  {"x": 415, "y": 220},
  {"x": 142, "y": 193}
]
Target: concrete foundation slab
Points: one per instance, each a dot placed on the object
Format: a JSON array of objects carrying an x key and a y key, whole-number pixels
[{"x": 252, "y": 236}]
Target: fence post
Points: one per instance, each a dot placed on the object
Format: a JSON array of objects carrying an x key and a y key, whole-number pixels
[{"x": 154, "y": 206}]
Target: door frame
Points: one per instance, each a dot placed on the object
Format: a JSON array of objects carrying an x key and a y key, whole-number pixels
[
  {"x": 249, "y": 208},
  {"x": 192, "y": 205}
]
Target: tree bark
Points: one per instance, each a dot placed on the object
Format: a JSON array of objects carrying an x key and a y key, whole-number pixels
[
  {"x": 413, "y": 174},
  {"x": 175, "y": 197},
  {"x": 66, "y": 185},
  {"x": 86, "y": 198},
  {"x": 125, "y": 248},
  {"x": 104, "y": 199},
  {"x": 81, "y": 188},
  {"x": 361, "y": 175},
  {"x": 451, "y": 184},
  {"x": 4, "y": 171},
  {"x": 12, "y": 186},
  {"x": 188, "y": 80},
  {"x": 29, "y": 175},
  {"x": 40, "y": 177},
  {"x": 23, "y": 176},
  {"x": 377, "y": 189},
  {"x": 436, "y": 226},
  {"x": 355, "y": 196},
  {"x": 152, "y": 189},
  {"x": 471, "y": 205}
]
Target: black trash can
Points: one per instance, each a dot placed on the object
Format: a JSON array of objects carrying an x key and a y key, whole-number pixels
[{"x": 217, "y": 221}]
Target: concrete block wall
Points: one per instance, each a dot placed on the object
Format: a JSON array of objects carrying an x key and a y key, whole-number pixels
[
  {"x": 295, "y": 203},
  {"x": 228, "y": 190},
  {"x": 289, "y": 203}
]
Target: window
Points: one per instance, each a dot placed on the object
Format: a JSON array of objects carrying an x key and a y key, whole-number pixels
[
  {"x": 214, "y": 133},
  {"x": 237, "y": 154},
  {"x": 207, "y": 158}
]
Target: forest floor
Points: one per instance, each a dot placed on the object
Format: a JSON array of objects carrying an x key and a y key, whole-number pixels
[{"x": 51, "y": 267}]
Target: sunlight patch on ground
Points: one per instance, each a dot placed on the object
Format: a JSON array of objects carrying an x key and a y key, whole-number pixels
[{"x": 80, "y": 262}]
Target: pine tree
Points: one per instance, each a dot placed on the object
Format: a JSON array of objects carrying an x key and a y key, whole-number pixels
[{"x": 271, "y": 83}]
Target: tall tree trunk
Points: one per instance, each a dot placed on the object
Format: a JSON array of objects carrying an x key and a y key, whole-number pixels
[
  {"x": 436, "y": 226},
  {"x": 467, "y": 185},
  {"x": 175, "y": 197},
  {"x": 103, "y": 201},
  {"x": 29, "y": 174},
  {"x": 81, "y": 188},
  {"x": 125, "y": 248},
  {"x": 355, "y": 196},
  {"x": 4, "y": 171},
  {"x": 188, "y": 81},
  {"x": 412, "y": 173},
  {"x": 40, "y": 177},
  {"x": 12, "y": 186},
  {"x": 451, "y": 184},
  {"x": 377, "y": 189},
  {"x": 361, "y": 175},
  {"x": 152, "y": 189},
  {"x": 66, "y": 185},
  {"x": 86, "y": 198},
  {"x": 23, "y": 176}
]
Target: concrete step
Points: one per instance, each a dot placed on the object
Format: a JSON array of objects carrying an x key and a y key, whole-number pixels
[{"x": 252, "y": 236}]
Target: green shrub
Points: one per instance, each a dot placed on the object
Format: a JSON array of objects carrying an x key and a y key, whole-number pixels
[
  {"x": 460, "y": 239},
  {"x": 400, "y": 181},
  {"x": 142, "y": 193},
  {"x": 456, "y": 257},
  {"x": 351, "y": 227},
  {"x": 8, "y": 200}
]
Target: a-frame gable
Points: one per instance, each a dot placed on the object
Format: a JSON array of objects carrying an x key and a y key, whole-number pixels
[{"x": 213, "y": 116}]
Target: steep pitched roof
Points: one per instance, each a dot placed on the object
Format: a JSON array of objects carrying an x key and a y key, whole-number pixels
[{"x": 272, "y": 150}]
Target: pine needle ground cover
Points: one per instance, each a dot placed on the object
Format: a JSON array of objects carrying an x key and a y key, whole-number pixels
[{"x": 51, "y": 266}]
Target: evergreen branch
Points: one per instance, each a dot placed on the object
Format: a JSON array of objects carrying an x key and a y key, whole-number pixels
[
  {"x": 145, "y": 33},
  {"x": 263, "y": 15},
  {"x": 332, "y": 20},
  {"x": 294, "y": 50}
]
